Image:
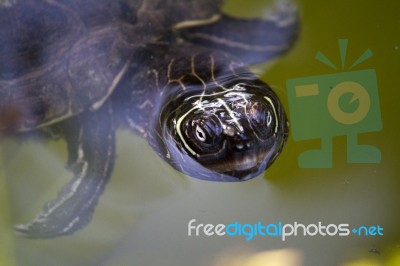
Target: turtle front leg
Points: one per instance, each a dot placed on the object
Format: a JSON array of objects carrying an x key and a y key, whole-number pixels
[
  {"x": 251, "y": 40},
  {"x": 91, "y": 149}
]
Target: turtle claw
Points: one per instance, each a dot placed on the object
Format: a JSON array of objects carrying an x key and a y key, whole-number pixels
[
  {"x": 90, "y": 139},
  {"x": 43, "y": 228}
]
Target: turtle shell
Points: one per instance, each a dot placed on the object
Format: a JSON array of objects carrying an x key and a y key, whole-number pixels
[{"x": 58, "y": 58}]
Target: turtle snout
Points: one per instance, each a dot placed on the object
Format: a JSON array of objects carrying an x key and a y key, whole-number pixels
[
  {"x": 243, "y": 145},
  {"x": 239, "y": 142}
]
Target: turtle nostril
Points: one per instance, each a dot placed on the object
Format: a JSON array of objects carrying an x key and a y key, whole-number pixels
[
  {"x": 239, "y": 145},
  {"x": 249, "y": 144},
  {"x": 242, "y": 145}
]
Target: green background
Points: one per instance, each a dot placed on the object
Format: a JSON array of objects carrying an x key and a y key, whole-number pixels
[{"x": 142, "y": 216}]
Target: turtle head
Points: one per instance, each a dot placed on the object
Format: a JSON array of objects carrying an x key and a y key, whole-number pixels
[{"x": 232, "y": 132}]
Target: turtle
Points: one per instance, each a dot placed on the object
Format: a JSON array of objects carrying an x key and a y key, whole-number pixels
[{"x": 175, "y": 72}]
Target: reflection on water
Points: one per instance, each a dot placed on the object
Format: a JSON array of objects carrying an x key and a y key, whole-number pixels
[
  {"x": 142, "y": 217},
  {"x": 282, "y": 257}
]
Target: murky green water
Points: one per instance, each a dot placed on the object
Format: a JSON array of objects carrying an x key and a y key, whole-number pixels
[{"x": 143, "y": 216}]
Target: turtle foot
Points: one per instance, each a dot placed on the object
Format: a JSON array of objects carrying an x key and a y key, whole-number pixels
[
  {"x": 252, "y": 41},
  {"x": 90, "y": 139},
  {"x": 69, "y": 212}
]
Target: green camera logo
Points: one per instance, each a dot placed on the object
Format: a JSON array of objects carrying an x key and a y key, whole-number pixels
[{"x": 345, "y": 103}]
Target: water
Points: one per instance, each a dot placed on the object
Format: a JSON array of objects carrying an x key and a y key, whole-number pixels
[{"x": 142, "y": 218}]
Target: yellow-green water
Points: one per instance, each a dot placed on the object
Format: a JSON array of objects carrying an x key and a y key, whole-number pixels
[{"x": 143, "y": 215}]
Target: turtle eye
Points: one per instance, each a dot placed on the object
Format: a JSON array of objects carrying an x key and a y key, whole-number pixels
[
  {"x": 200, "y": 134},
  {"x": 262, "y": 119},
  {"x": 203, "y": 134},
  {"x": 269, "y": 118}
]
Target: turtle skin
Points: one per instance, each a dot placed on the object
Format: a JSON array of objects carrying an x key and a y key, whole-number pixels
[{"x": 175, "y": 72}]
